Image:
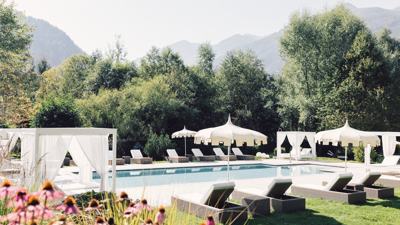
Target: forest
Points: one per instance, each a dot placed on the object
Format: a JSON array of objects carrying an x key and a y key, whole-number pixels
[{"x": 335, "y": 69}]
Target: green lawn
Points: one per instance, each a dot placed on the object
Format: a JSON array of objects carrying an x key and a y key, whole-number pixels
[
  {"x": 334, "y": 160},
  {"x": 322, "y": 212}
]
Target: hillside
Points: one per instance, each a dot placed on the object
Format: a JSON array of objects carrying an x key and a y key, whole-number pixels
[{"x": 50, "y": 43}]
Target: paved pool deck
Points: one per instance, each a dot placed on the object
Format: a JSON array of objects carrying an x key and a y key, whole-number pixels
[{"x": 161, "y": 194}]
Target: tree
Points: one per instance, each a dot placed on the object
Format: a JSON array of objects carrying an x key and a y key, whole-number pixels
[
  {"x": 111, "y": 75},
  {"x": 161, "y": 63},
  {"x": 206, "y": 59},
  {"x": 156, "y": 145},
  {"x": 57, "y": 112},
  {"x": 247, "y": 92},
  {"x": 15, "y": 68},
  {"x": 43, "y": 66},
  {"x": 336, "y": 69}
]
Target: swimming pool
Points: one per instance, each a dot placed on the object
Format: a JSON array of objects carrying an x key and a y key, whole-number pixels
[{"x": 163, "y": 176}]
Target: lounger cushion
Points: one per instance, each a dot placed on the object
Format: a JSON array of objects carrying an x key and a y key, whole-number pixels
[
  {"x": 197, "y": 152},
  {"x": 278, "y": 187},
  {"x": 370, "y": 178},
  {"x": 218, "y": 152},
  {"x": 339, "y": 182},
  {"x": 172, "y": 153},
  {"x": 136, "y": 154},
  {"x": 237, "y": 151},
  {"x": 217, "y": 194}
]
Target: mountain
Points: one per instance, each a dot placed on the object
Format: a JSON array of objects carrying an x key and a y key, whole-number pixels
[
  {"x": 50, "y": 43},
  {"x": 267, "y": 47}
]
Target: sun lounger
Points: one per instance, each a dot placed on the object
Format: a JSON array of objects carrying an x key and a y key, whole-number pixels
[
  {"x": 175, "y": 158},
  {"x": 332, "y": 190},
  {"x": 138, "y": 158},
  {"x": 214, "y": 203},
  {"x": 366, "y": 183},
  {"x": 240, "y": 156},
  {"x": 198, "y": 155},
  {"x": 262, "y": 155},
  {"x": 118, "y": 161},
  {"x": 276, "y": 192},
  {"x": 220, "y": 155}
]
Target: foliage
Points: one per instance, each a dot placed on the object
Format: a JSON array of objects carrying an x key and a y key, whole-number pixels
[
  {"x": 111, "y": 75},
  {"x": 43, "y": 66},
  {"x": 359, "y": 153},
  {"x": 248, "y": 92},
  {"x": 334, "y": 70},
  {"x": 206, "y": 58},
  {"x": 156, "y": 145},
  {"x": 56, "y": 112},
  {"x": 16, "y": 79}
]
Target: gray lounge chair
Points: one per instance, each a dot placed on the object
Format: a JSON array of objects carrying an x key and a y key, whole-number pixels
[
  {"x": 366, "y": 183},
  {"x": 175, "y": 158},
  {"x": 240, "y": 156},
  {"x": 214, "y": 203},
  {"x": 198, "y": 155},
  {"x": 138, "y": 158},
  {"x": 220, "y": 155},
  {"x": 332, "y": 190},
  {"x": 276, "y": 190}
]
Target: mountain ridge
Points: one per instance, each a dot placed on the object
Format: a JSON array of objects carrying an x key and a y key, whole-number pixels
[{"x": 267, "y": 47}]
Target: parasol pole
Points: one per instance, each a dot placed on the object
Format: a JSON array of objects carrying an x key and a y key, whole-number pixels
[{"x": 185, "y": 144}]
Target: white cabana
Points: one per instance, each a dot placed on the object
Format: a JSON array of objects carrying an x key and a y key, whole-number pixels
[
  {"x": 227, "y": 135},
  {"x": 389, "y": 141},
  {"x": 347, "y": 135},
  {"x": 43, "y": 151},
  {"x": 184, "y": 133},
  {"x": 295, "y": 139}
]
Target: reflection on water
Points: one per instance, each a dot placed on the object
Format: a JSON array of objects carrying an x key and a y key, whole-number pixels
[{"x": 148, "y": 177}]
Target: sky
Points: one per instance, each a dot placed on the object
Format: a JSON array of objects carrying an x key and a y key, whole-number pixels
[{"x": 141, "y": 24}]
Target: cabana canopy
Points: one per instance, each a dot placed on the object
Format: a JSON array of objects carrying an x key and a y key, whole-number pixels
[
  {"x": 295, "y": 139},
  {"x": 43, "y": 151},
  {"x": 389, "y": 141}
]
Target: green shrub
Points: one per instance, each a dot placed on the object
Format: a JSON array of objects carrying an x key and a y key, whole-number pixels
[
  {"x": 157, "y": 144},
  {"x": 57, "y": 112},
  {"x": 359, "y": 153},
  {"x": 375, "y": 157}
]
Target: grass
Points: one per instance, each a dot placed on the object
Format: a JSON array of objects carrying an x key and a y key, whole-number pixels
[
  {"x": 322, "y": 212},
  {"x": 333, "y": 160}
]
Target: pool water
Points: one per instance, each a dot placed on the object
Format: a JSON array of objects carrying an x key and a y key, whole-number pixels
[{"x": 163, "y": 176}]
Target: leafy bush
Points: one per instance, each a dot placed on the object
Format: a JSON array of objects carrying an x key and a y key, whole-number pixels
[
  {"x": 359, "y": 153},
  {"x": 157, "y": 144},
  {"x": 56, "y": 112}
]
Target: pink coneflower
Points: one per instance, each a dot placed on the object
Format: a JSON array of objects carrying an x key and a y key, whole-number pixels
[
  {"x": 100, "y": 221},
  {"x": 48, "y": 192},
  {"x": 160, "y": 216},
  {"x": 210, "y": 220},
  {"x": 61, "y": 221},
  {"x": 143, "y": 205},
  {"x": 148, "y": 222},
  {"x": 124, "y": 198},
  {"x": 35, "y": 211},
  {"x": 93, "y": 206},
  {"x": 69, "y": 206},
  {"x": 131, "y": 211},
  {"x": 20, "y": 199},
  {"x": 6, "y": 189}
]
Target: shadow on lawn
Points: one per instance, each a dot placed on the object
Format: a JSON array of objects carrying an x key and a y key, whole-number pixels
[
  {"x": 390, "y": 202},
  {"x": 308, "y": 217}
]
